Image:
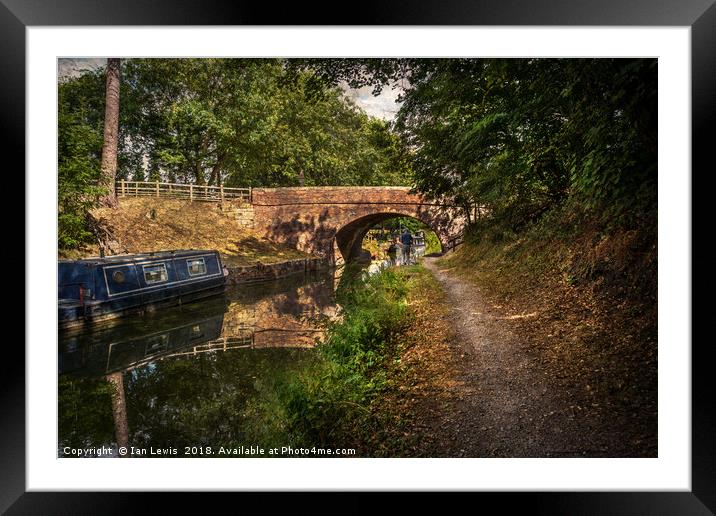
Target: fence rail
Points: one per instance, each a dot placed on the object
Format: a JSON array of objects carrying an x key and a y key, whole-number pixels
[
  {"x": 456, "y": 241},
  {"x": 182, "y": 191}
]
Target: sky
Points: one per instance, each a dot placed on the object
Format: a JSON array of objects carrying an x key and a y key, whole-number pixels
[{"x": 382, "y": 106}]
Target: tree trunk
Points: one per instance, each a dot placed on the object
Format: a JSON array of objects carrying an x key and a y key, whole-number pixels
[
  {"x": 199, "y": 174},
  {"x": 111, "y": 133},
  {"x": 215, "y": 177},
  {"x": 468, "y": 212}
]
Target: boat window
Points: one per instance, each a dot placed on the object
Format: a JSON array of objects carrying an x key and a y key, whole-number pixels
[
  {"x": 196, "y": 332},
  {"x": 155, "y": 273},
  {"x": 118, "y": 276},
  {"x": 196, "y": 266},
  {"x": 156, "y": 344}
]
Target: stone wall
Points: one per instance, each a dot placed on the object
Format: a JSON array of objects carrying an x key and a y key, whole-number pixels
[{"x": 242, "y": 212}]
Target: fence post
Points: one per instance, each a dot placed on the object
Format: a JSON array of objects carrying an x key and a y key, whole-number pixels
[
  {"x": 122, "y": 183},
  {"x": 249, "y": 195},
  {"x": 157, "y": 188},
  {"x": 221, "y": 192},
  {"x": 136, "y": 189},
  {"x": 191, "y": 193}
]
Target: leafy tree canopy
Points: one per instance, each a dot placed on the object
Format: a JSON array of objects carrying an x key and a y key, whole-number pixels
[
  {"x": 516, "y": 137},
  {"x": 521, "y": 136},
  {"x": 236, "y": 122}
]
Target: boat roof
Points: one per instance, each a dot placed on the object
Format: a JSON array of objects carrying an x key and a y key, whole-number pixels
[{"x": 158, "y": 255}]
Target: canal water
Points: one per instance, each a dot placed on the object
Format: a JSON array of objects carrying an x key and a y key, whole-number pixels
[
  {"x": 191, "y": 375},
  {"x": 195, "y": 376}
]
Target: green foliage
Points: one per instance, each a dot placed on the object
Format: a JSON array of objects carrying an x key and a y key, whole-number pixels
[
  {"x": 520, "y": 137},
  {"x": 237, "y": 122},
  {"x": 328, "y": 402},
  {"x": 79, "y": 151},
  {"x": 245, "y": 122},
  {"x": 432, "y": 243},
  {"x": 398, "y": 223}
]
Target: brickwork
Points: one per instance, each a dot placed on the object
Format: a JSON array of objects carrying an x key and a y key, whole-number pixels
[{"x": 313, "y": 218}]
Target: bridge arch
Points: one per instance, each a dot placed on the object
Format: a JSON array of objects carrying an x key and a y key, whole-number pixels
[
  {"x": 349, "y": 238},
  {"x": 312, "y": 219}
]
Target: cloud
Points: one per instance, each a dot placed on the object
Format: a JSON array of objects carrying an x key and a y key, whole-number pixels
[
  {"x": 383, "y": 106},
  {"x": 72, "y": 67}
]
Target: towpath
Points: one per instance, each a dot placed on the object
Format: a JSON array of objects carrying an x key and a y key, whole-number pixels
[{"x": 508, "y": 403}]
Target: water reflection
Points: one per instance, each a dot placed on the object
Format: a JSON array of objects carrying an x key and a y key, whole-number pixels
[
  {"x": 288, "y": 313},
  {"x": 189, "y": 375}
]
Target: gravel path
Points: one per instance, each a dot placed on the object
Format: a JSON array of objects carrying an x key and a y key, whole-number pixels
[{"x": 509, "y": 405}]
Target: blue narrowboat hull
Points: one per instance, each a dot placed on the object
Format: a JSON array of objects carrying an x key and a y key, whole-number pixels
[{"x": 101, "y": 289}]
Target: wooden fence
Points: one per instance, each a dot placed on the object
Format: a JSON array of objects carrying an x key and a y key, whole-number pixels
[
  {"x": 182, "y": 191},
  {"x": 454, "y": 242}
]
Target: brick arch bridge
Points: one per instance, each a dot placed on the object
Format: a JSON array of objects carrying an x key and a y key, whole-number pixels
[{"x": 319, "y": 220}]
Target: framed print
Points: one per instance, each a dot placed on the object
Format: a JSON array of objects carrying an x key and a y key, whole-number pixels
[{"x": 196, "y": 175}]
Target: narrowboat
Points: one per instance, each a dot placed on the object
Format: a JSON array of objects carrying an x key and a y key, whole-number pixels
[{"x": 98, "y": 289}]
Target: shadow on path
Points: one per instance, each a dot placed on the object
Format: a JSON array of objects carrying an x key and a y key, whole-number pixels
[{"x": 510, "y": 404}]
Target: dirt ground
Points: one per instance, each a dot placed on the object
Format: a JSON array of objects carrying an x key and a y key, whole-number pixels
[{"x": 487, "y": 391}]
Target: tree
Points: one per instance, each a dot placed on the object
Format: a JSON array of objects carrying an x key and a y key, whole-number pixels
[
  {"x": 522, "y": 136},
  {"x": 80, "y": 103},
  {"x": 241, "y": 122},
  {"x": 111, "y": 133}
]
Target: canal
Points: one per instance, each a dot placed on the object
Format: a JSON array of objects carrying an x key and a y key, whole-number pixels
[
  {"x": 192, "y": 375},
  {"x": 200, "y": 375}
]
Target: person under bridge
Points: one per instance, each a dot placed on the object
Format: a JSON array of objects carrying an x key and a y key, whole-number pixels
[{"x": 406, "y": 239}]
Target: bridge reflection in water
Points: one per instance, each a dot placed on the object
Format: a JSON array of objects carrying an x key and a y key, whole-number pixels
[{"x": 190, "y": 374}]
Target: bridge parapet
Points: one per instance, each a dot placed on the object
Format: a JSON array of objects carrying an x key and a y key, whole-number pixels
[
  {"x": 335, "y": 195},
  {"x": 313, "y": 218}
]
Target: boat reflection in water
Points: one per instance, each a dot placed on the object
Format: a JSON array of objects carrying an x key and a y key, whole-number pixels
[
  {"x": 142, "y": 340},
  {"x": 191, "y": 374}
]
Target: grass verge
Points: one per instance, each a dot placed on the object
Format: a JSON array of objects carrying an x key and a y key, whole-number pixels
[{"x": 364, "y": 387}]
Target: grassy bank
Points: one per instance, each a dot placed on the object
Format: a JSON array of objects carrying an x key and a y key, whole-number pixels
[
  {"x": 145, "y": 224},
  {"x": 362, "y": 388},
  {"x": 328, "y": 402}
]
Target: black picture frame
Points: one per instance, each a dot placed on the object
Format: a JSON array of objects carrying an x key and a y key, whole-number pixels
[{"x": 700, "y": 15}]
